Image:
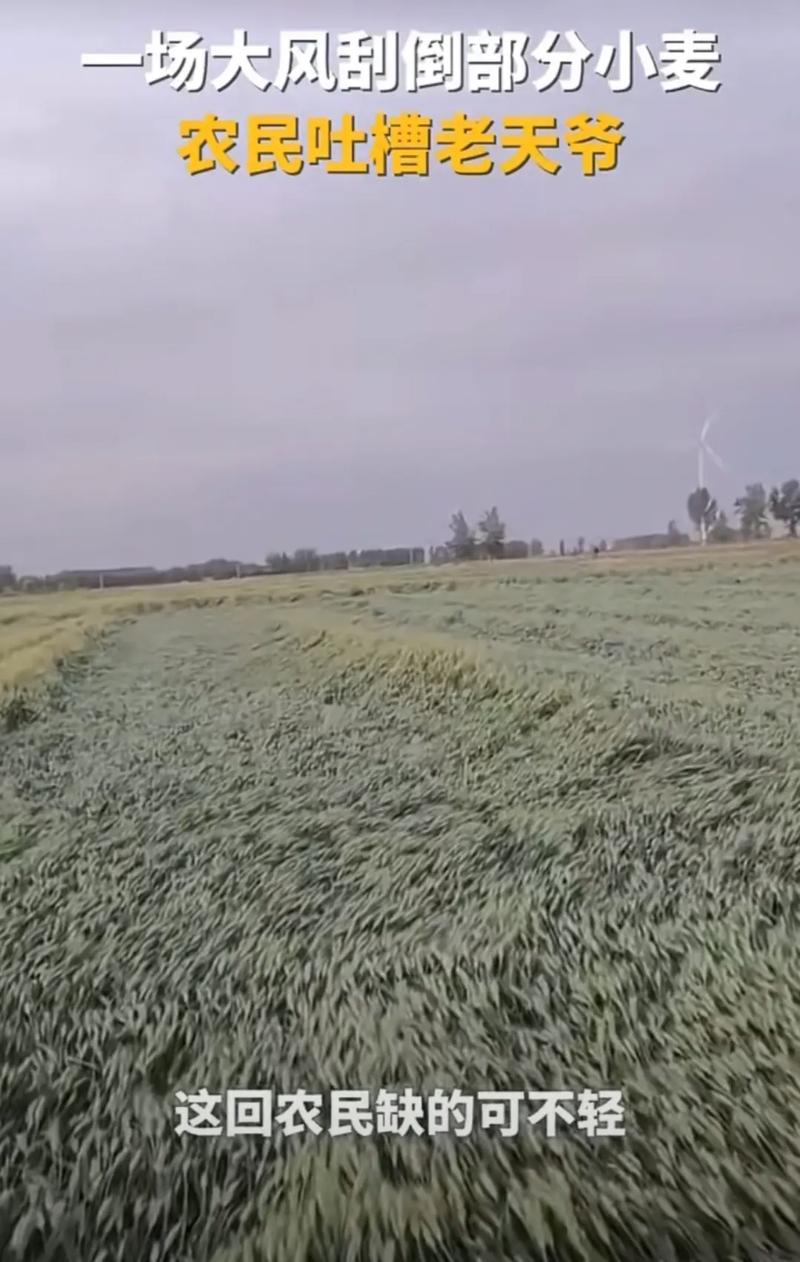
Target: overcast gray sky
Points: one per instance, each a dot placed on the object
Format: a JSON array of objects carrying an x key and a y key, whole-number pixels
[{"x": 219, "y": 365}]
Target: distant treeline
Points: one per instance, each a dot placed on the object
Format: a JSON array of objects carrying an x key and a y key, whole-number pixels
[
  {"x": 308, "y": 560},
  {"x": 484, "y": 540},
  {"x": 303, "y": 561},
  {"x": 131, "y": 576},
  {"x": 501, "y": 550}
]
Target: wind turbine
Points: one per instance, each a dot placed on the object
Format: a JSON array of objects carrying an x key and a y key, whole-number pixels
[{"x": 705, "y": 449}]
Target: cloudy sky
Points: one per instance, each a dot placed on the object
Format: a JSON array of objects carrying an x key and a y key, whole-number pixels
[{"x": 221, "y": 365}]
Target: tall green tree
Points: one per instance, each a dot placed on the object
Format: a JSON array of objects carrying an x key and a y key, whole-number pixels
[
  {"x": 702, "y": 510},
  {"x": 492, "y": 533},
  {"x": 751, "y": 509},
  {"x": 461, "y": 544},
  {"x": 784, "y": 504}
]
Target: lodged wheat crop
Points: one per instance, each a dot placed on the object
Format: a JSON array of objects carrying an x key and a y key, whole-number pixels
[{"x": 510, "y": 828}]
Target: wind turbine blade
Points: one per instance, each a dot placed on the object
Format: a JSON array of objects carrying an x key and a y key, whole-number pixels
[
  {"x": 718, "y": 461},
  {"x": 707, "y": 426}
]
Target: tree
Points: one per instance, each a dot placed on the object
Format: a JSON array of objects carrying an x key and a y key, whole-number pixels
[
  {"x": 333, "y": 561},
  {"x": 784, "y": 504},
  {"x": 305, "y": 560},
  {"x": 493, "y": 534},
  {"x": 722, "y": 531},
  {"x": 561, "y": 548},
  {"x": 537, "y": 548},
  {"x": 751, "y": 509},
  {"x": 702, "y": 511},
  {"x": 461, "y": 544},
  {"x": 278, "y": 562},
  {"x": 581, "y": 545}
]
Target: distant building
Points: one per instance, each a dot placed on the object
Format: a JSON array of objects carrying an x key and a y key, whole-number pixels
[
  {"x": 640, "y": 543},
  {"x": 127, "y": 576}
]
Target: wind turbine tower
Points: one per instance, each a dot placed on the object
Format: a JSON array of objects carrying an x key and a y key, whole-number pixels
[{"x": 705, "y": 449}]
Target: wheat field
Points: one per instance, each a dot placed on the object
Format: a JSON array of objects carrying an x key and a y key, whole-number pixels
[{"x": 526, "y": 826}]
